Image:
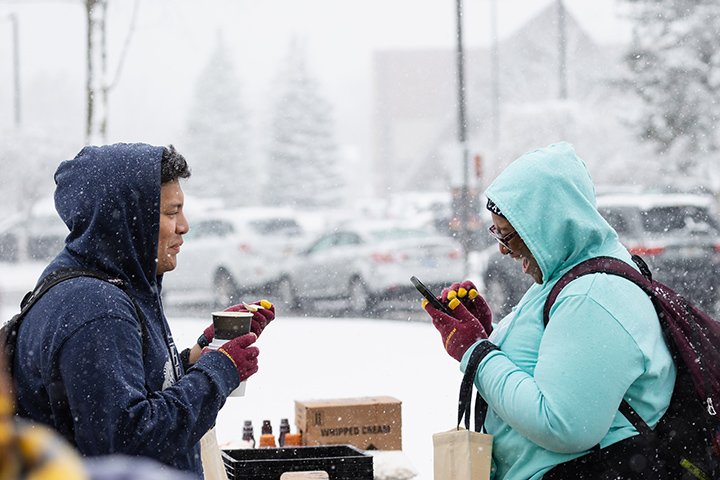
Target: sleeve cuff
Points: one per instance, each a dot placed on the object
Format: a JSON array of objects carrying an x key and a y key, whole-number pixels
[
  {"x": 220, "y": 369},
  {"x": 202, "y": 341},
  {"x": 185, "y": 359}
]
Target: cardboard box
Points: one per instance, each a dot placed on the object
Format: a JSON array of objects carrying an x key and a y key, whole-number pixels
[{"x": 368, "y": 423}]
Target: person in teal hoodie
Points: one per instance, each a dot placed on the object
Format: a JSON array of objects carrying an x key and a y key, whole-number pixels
[{"x": 553, "y": 392}]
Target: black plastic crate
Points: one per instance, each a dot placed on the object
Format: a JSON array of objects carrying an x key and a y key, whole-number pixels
[{"x": 340, "y": 462}]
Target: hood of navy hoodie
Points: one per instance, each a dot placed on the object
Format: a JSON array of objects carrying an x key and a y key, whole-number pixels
[{"x": 109, "y": 198}]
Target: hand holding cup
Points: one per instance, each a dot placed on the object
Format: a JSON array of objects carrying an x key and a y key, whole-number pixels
[
  {"x": 263, "y": 313},
  {"x": 232, "y": 337}
]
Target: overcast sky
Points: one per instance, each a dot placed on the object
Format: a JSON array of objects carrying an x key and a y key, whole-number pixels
[{"x": 173, "y": 38}]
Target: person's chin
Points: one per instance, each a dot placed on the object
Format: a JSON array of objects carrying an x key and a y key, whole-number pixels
[{"x": 167, "y": 266}]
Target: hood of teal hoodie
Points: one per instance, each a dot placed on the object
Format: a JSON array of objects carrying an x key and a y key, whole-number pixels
[{"x": 548, "y": 197}]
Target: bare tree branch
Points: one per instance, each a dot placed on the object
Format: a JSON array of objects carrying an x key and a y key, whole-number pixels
[{"x": 126, "y": 46}]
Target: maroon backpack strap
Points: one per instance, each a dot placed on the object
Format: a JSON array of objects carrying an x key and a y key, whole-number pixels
[
  {"x": 596, "y": 265},
  {"x": 617, "y": 267}
]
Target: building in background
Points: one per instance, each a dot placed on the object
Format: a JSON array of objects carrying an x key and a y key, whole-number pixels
[{"x": 415, "y": 114}]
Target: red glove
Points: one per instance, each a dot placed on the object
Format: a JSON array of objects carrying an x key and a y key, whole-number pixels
[
  {"x": 468, "y": 294},
  {"x": 263, "y": 314},
  {"x": 243, "y": 356},
  {"x": 459, "y": 331}
]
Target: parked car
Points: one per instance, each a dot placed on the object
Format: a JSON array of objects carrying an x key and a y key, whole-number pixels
[
  {"x": 366, "y": 263},
  {"x": 676, "y": 234},
  {"x": 232, "y": 252},
  {"x": 37, "y": 237}
]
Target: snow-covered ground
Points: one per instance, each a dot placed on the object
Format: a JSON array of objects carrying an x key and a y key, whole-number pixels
[
  {"x": 313, "y": 358},
  {"x": 305, "y": 358}
]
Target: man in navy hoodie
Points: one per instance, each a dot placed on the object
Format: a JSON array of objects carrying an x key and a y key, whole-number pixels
[{"x": 97, "y": 362}]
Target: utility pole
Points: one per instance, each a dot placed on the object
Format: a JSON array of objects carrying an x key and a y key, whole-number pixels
[
  {"x": 562, "y": 52},
  {"x": 95, "y": 82},
  {"x": 16, "y": 67},
  {"x": 495, "y": 73},
  {"x": 98, "y": 84},
  {"x": 462, "y": 139}
]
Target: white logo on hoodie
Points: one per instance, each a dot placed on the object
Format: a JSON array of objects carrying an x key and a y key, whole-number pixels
[{"x": 169, "y": 373}]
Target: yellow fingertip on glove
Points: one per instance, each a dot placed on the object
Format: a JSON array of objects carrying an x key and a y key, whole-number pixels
[
  {"x": 472, "y": 294},
  {"x": 462, "y": 293},
  {"x": 453, "y": 303},
  {"x": 452, "y": 294},
  {"x": 266, "y": 304},
  {"x": 424, "y": 303}
]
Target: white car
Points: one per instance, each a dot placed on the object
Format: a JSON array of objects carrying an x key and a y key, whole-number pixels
[
  {"x": 37, "y": 237},
  {"x": 231, "y": 252},
  {"x": 369, "y": 262}
]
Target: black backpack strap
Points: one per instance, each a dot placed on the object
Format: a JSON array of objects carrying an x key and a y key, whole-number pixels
[
  {"x": 59, "y": 276},
  {"x": 617, "y": 267},
  {"x": 12, "y": 328},
  {"x": 635, "y": 419},
  {"x": 466, "y": 388}
]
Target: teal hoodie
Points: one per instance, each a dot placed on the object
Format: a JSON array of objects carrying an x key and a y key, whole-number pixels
[{"x": 554, "y": 393}]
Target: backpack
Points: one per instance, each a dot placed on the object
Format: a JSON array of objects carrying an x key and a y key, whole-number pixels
[
  {"x": 9, "y": 331},
  {"x": 686, "y": 440}
]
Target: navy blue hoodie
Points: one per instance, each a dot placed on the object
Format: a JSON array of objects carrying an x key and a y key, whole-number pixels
[{"x": 83, "y": 364}]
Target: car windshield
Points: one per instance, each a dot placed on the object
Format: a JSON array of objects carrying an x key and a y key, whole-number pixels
[
  {"x": 677, "y": 219},
  {"x": 398, "y": 234},
  {"x": 276, "y": 226}
]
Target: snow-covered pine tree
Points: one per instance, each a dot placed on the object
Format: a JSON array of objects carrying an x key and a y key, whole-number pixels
[
  {"x": 303, "y": 159},
  {"x": 216, "y": 144},
  {"x": 674, "y": 65},
  {"x": 28, "y": 158}
]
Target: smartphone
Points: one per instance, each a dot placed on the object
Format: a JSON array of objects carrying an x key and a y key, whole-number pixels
[{"x": 429, "y": 295}]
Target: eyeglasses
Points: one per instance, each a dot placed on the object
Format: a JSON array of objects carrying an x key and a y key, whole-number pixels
[{"x": 501, "y": 239}]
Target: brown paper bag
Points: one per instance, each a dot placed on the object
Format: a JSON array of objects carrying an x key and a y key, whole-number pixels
[{"x": 461, "y": 454}]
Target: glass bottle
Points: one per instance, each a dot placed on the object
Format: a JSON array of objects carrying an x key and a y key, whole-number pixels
[
  {"x": 267, "y": 439},
  {"x": 284, "y": 430},
  {"x": 293, "y": 440},
  {"x": 248, "y": 436}
]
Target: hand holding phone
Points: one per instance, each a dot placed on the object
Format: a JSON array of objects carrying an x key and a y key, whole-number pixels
[
  {"x": 458, "y": 329},
  {"x": 429, "y": 295}
]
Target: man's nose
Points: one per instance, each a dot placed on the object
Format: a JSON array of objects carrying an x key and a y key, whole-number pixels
[{"x": 183, "y": 226}]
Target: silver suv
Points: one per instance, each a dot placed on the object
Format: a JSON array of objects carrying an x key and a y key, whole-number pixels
[{"x": 676, "y": 234}]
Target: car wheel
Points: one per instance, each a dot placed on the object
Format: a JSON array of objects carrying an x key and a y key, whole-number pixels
[
  {"x": 225, "y": 291},
  {"x": 286, "y": 295},
  {"x": 359, "y": 299}
]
